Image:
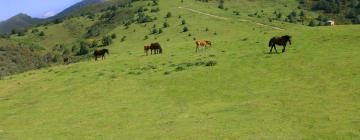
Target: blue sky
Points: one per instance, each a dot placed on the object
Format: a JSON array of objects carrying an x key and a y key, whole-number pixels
[{"x": 34, "y": 8}]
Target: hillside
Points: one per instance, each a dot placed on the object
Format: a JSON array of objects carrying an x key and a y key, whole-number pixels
[{"x": 234, "y": 90}]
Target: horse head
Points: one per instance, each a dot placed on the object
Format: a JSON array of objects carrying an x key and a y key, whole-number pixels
[
  {"x": 288, "y": 39},
  {"x": 208, "y": 42}
]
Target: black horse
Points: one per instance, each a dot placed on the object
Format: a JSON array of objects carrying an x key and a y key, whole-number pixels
[
  {"x": 156, "y": 47},
  {"x": 282, "y": 41},
  {"x": 101, "y": 53}
]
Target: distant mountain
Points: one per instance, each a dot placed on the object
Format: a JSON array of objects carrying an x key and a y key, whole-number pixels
[
  {"x": 20, "y": 21},
  {"x": 23, "y": 21}
]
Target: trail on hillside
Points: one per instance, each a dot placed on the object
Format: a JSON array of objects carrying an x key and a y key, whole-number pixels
[{"x": 225, "y": 18}]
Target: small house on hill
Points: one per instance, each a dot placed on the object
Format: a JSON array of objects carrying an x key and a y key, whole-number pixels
[{"x": 330, "y": 22}]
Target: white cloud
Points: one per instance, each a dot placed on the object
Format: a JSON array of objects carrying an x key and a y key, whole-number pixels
[{"x": 49, "y": 14}]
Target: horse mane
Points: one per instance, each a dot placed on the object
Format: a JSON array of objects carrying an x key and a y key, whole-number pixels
[{"x": 287, "y": 37}]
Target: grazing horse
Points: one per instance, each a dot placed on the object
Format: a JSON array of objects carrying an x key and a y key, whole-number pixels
[
  {"x": 101, "y": 53},
  {"x": 202, "y": 43},
  {"x": 146, "y": 49},
  {"x": 282, "y": 41},
  {"x": 66, "y": 60},
  {"x": 156, "y": 47}
]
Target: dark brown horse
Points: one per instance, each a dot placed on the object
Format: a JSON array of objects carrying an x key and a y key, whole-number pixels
[
  {"x": 156, "y": 47},
  {"x": 101, "y": 53},
  {"x": 282, "y": 41},
  {"x": 202, "y": 43},
  {"x": 66, "y": 60}
]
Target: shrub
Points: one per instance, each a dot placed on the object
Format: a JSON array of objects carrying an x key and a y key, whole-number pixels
[
  {"x": 210, "y": 63},
  {"x": 154, "y": 10},
  {"x": 312, "y": 23},
  {"x": 154, "y": 31},
  {"x": 185, "y": 29},
  {"x": 123, "y": 38},
  {"x": 168, "y": 15},
  {"x": 221, "y": 4},
  {"x": 113, "y": 36},
  {"x": 183, "y": 22},
  {"x": 42, "y": 33},
  {"x": 106, "y": 40},
  {"x": 179, "y": 68},
  {"x": 166, "y": 24},
  {"x": 83, "y": 49}
]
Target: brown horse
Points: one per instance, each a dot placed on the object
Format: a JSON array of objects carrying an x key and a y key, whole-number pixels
[
  {"x": 101, "y": 53},
  {"x": 202, "y": 43},
  {"x": 66, "y": 60},
  {"x": 282, "y": 41},
  {"x": 156, "y": 47}
]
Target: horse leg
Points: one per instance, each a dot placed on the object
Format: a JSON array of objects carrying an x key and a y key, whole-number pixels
[
  {"x": 271, "y": 49},
  {"x": 275, "y": 49},
  {"x": 284, "y": 47}
]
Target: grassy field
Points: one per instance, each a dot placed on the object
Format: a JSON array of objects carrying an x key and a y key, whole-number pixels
[{"x": 309, "y": 92}]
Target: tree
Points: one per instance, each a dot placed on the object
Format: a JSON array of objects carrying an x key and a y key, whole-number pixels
[
  {"x": 168, "y": 15},
  {"x": 221, "y": 4},
  {"x": 185, "y": 29},
  {"x": 154, "y": 31},
  {"x": 113, "y": 36},
  {"x": 183, "y": 22},
  {"x": 106, "y": 40},
  {"x": 83, "y": 49},
  {"x": 42, "y": 33},
  {"x": 166, "y": 24},
  {"x": 312, "y": 23}
]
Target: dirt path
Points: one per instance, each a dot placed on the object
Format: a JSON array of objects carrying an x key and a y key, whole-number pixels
[{"x": 225, "y": 18}]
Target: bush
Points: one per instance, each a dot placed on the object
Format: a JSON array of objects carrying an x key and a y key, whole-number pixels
[
  {"x": 106, "y": 40},
  {"x": 57, "y": 21},
  {"x": 123, "y": 38},
  {"x": 210, "y": 63},
  {"x": 113, "y": 36},
  {"x": 312, "y": 23},
  {"x": 168, "y": 15},
  {"x": 154, "y": 10},
  {"x": 185, "y": 29},
  {"x": 221, "y": 4},
  {"x": 179, "y": 68},
  {"x": 183, "y": 22},
  {"x": 83, "y": 49},
  {"x": 166, "y": 24},
  {"x": 41, "y": 33},
  {"x": 154, "y": 31}
]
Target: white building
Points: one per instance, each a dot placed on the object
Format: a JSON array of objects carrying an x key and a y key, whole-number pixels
[{"x": 330, "y": 22}]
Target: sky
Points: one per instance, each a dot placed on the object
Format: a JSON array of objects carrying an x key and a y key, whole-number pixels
[{"x": 34, "y": 8}]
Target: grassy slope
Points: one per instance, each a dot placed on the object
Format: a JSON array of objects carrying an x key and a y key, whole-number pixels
[
  {"x": 67, "y": 33},
  {"x": 310, "y": 92}
]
